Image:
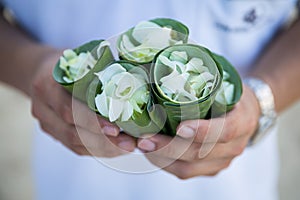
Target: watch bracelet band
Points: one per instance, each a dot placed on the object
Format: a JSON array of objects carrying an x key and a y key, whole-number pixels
[{"x": 266, "y": 102}]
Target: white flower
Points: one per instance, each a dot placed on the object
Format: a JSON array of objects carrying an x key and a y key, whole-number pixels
[
  {"x": 151, "y": 38},
  {"x": 77, "y": 66},
  {"x": 226, "y": 94},
  {"x": 123, "y": 92},
  {"x": 189, "y": 79}
]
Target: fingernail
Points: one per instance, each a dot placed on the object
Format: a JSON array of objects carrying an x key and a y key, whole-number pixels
[
  {"x": 126, "y": 145},
  {"x": 146, "y": 145},
  {"x": 110, "y": 131},
  {"x": 186, "y": 132}
]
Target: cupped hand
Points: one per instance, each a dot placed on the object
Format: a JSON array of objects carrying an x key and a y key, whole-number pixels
[
  {"x": 70, "y": 121},
  {"x": 205, "y": 147}
]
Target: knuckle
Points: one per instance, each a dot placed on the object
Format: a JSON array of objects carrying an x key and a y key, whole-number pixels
[
  {"x": 106, "y": 151},
  {"x": 92, "y": 123},
  {"x": 37, "y": 86},
  {"x": 44, "y": 128},
  {"x": 112, "y": 154},
  {"x": 229, "y": 131},
  {"x": 66, "y": 114},
  {"x": 34, "y": 111},
  {"x": 253, "y": 125},
  {"x": 238, "y": 150},
  {"x": 202, "y": 130},
  {"x": 169, "y": 151},
  {"x": 228, "y": 136},
  {"x": 182, "y": 176},
  {"x": 221, "y": 167},
  {"x": 225, "y": 165},
  {"x": 78, "y": 151},
  {"x": 72, "y": 136},
  {"x": 184, "y": 172},
  {"x": 213, "y": 174},
  {"x": 194, "y": 154},
  {"x": 48, "y": 130}
]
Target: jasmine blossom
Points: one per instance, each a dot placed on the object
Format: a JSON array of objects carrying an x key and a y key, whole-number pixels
[
  {"x": 76, "y": 65},
  {"x": 189, "y": 78},
  {"x": 151, "y": 38},
  {"x": 226, "y": 94},
  {"x": 123, "y": 92}
]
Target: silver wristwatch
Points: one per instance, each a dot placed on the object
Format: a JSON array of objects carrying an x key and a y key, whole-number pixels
[{"x": 265, "y": 99}]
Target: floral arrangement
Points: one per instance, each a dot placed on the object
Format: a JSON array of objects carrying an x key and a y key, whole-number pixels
[
  {"x": 158, "y": 81},
  {"x": 141, "y": 43},
  {"x": 76, "y": 67}
]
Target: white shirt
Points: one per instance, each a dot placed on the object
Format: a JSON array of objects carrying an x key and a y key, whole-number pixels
[{"x": 236, "y": 29}]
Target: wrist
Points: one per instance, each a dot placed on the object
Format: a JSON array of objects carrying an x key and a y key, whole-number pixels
[
  {"x": 265, "y": 99},
  {"x": 46, "y": 57}
]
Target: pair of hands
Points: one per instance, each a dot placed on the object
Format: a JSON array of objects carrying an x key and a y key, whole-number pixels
[{"x": 201, "y": 147}]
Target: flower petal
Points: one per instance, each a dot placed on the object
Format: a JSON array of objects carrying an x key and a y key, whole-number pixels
[
  {"x": 120, "y": 91},
  {"x": 101, "y": 47},
  {"x": 226, "y": 75},
  {"x": 164, "y": 60},
  {"x": 174, "y": 82},
  {"x": 127, "y": 111},
  {"x": 109, "y": 89},
  {"x": 184, "y": 96},
  {"x": 63, "y": 64},
  {"x": 196, "y": 65},
  {"x": 125, "y": 85},
  {"x": 69, "y": 54},
  {"x": 127, "y": 44},
  {"x": 143, "y": 29},
  {"x": 105, "y": 75},
  {"x": 141, "y": 96},
  {"x": 135, "y": 105},
  {"x": 158, "y": 39},
  {"x": 206, "y": 91},
  {"x": 207, "y": 76},
  {"x": 67, "y": 80},
  {"x": 229, "y": 91},
  {"x": 180, "y": 56},
  {"x": 220, "y": 97},
  {"x": 197, "y": 82},
  {"x": 139, "y": 73},
  {"x": 115, "y": 109},
  {"x": 102, "y": 104}
]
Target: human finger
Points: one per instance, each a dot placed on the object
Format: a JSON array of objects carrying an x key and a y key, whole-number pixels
[{"x": 185, "y": 170}]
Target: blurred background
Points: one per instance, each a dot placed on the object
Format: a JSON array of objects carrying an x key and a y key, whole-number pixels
[{"x": 16, "y": 132}]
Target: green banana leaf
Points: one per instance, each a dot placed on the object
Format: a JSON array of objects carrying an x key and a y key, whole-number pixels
[
  {"x": 78, "y": 88},
  {"x": 218, "y": 109},
  {"x": 93, "y": 89},
  {"x": 180, "y": 29},
  {"x": 151, "y": 120},
  {"x": 180, "y": 32},
  {"x": 180, "y": 111}
]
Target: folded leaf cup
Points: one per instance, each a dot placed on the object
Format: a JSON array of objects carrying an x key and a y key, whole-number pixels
[
  {"x": 141, "y": 43},
  {"x": 76, "y": 67},
  {"x": 185, "y": 80},
  {"x": 231, "y": 89},
  {"x": 121, "y": 93}
]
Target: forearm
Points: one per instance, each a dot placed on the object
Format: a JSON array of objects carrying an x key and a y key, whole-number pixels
[
  {"x": 19, "y": 56},
  {"x": 280, "y": 68}
]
